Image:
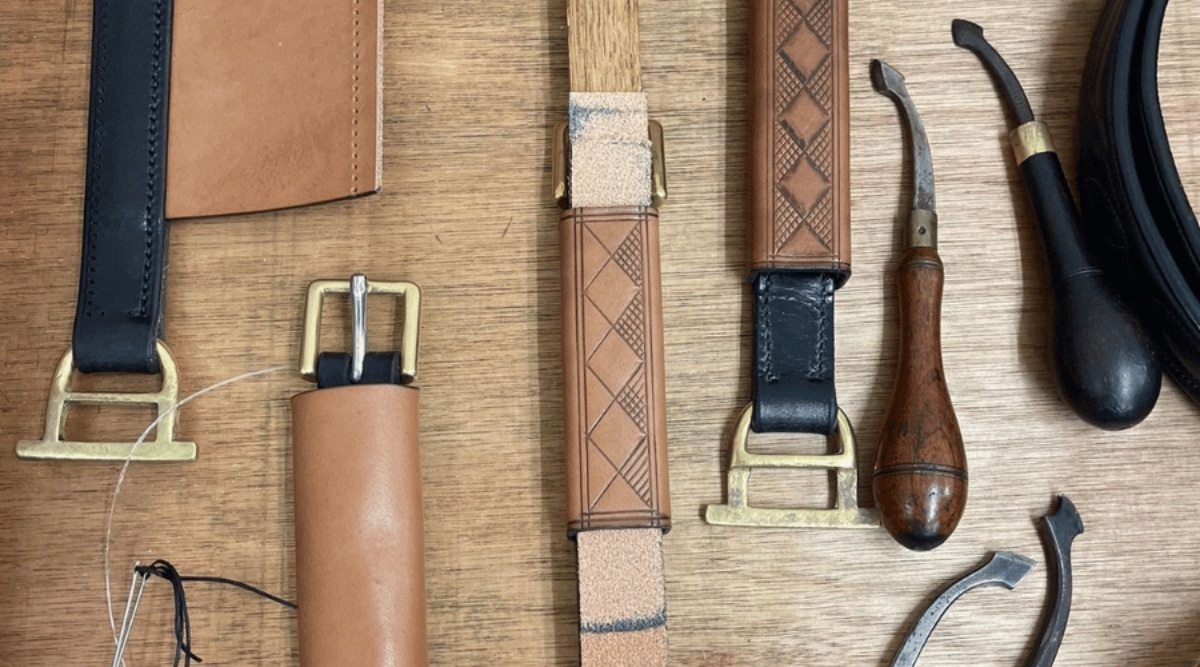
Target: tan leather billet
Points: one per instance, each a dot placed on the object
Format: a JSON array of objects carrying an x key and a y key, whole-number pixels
[
  {"x": 274, "y": 103},
  {"x": 799, "y": 162},
  {"x": 360, "y": 549},
  {"x": 613, "y": 358}
]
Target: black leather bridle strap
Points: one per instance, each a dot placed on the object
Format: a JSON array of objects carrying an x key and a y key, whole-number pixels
[
  {"x": 118, "y": 315},
  {"x": 793, "y": 389},
  {"x": 1138, "y": 214}
]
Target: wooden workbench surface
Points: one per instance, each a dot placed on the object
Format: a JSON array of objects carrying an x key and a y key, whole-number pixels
[{"x": 472, "y": 92}]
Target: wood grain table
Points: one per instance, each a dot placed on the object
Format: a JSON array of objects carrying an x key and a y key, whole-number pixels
[{"x": 472, "y": 92}]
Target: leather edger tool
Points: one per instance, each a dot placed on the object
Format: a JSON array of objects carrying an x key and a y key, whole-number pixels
[
  {"x": 1103, "y": 362},
  {"x": 609, "y": 177},
  {"x": 920, "y": 478},
  {"x": 799, "y": 184},
  {"x": 360, "y": 560}
]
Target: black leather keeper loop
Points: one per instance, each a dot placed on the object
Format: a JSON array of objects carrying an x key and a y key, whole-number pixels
[
  {"x": 793, "y": 390},
  {"x": 118, "y": 315},
  {"x": 333, "y": 369}
]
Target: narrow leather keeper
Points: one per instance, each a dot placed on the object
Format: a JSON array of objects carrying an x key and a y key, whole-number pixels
[
  {"x": 792, "y": 385},
  {"x": 333, "y": 369},
  {"x": 799, "y": 207},
  {"x": 613, "y": 358},
  {"x": 360, "y": 573},
  {"x": 118, "y": 314}
]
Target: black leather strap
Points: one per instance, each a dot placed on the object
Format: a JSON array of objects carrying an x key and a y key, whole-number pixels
[
  {"x": 118, "y": 315},
  {"x": 1138, "y": 214},
  {"x": 793, "y": 352},
  {"x": 333, "y": 369}
]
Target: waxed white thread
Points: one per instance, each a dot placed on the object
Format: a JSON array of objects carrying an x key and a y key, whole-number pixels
[{"x": 112, "y": 623}]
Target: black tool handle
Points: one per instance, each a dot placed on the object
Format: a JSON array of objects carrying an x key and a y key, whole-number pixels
[{"x": 1103, "y": 362}]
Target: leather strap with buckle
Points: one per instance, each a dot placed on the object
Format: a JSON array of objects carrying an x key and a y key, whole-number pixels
[
  {"x": 360, "y": 564},
  {"x": 799, "y": 253},
  {"x": 610, "y": 177},
  {"x": 118, "y": 317}
]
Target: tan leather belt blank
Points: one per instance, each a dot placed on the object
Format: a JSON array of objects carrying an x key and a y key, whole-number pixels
[
  {"x": 360, "y": 564},
  {"x": 609, "y": 177}
]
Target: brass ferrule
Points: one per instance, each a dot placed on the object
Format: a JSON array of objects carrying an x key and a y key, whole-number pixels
[
  {"x": 1031, "y": 139},
  {"x": 922, "y": 229}
]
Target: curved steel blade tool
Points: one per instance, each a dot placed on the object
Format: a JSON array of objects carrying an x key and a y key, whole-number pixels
[
  {"x": 920, "y": 481},
  {"x": 1059, "y": 530},
  {"x": 1005, "y": 569},
  {"x": 1103, "y": 363}
]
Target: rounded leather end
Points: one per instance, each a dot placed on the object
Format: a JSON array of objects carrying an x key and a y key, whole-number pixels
[
  {"x": 1104, "y": 364},
  {"x": 920, "y": 509}
]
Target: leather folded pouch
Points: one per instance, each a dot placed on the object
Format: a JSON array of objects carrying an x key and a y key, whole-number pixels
[{"x": 273, "y": 104}]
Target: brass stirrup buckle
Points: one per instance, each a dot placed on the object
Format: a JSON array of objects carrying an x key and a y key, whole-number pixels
[
  {"x": 845, "y": 514},
  {"x": 358, "y": 287},
  {"x": 164, "y": 446}
]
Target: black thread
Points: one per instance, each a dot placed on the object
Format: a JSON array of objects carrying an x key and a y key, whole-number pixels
[{"x": 183, "y": 623}]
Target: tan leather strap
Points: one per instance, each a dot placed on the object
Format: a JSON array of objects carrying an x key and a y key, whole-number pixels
[
  {"x": 613, "y": 362},
  {"x": 617, "y": 497},
  {"x": 360, "y": 565},
  {"x": 254, "y": 123},
  {"x": 800, "y": 135}
]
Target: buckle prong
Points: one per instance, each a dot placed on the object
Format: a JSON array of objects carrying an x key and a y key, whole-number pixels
[{"x": 358, "y": 326}]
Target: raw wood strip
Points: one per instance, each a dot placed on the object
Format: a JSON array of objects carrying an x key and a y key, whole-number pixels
[{"x": 602, "y": 42}]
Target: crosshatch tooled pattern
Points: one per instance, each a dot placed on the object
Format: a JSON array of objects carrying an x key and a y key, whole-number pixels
[
  {"x": 803, "y": 132},
  {"x": 618, "y": 461}
]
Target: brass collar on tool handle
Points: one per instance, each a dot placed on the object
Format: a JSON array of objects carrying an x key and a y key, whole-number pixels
[
  {"x": 845, "y": 513},
  {"x": 358, "y": 287},
  {"x": 164, "y": 447},
  {"x": 561, "y": 160}
]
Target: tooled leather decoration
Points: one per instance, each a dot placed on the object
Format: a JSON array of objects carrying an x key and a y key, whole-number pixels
[
  {"x": 618, "y": 455},
  {"x": 803, "y": 225}
]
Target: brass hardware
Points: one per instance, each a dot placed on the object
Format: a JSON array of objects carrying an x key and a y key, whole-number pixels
[
  {"x": 558, "y": 164},
  {"x": 163, "y": 447},
  {"x": 845, "y": 514},
  {"x": 1030, "y": 139},
  {"x": 658, "y": 165},
  {"x": 561, "y": 159},
  {"x": 310, "y": 344},
  {"x": 922, "y": 229}
]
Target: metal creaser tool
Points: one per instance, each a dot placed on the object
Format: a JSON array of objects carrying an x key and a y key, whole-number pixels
[
  {"x": 1059, "y": 530},
  {"x": 1005, "y": 569}
]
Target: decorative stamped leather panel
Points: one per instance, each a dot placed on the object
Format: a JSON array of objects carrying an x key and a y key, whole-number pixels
[
  {"x": 800, "y": 135},
  {"x": 613, "y": 366}
]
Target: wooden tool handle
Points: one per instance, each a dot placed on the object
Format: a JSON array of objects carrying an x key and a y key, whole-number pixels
[{"x": 920, "y": 479}]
